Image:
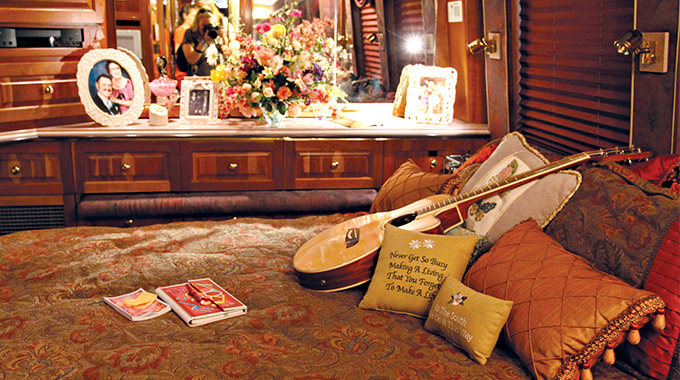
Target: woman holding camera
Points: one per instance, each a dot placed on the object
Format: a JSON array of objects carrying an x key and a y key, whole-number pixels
[{"x": 197, "y": 40}]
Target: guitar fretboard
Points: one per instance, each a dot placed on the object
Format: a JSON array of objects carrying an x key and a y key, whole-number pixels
[{"x": 509, "y": 182}]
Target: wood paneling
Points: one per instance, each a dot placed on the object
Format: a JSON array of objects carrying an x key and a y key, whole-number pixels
[
  {"x": 30, "y": 168},
  {"x": 232, "y": 165},
  {"x": 333, "y": 164},
  {"x": 451, "y": 51}
]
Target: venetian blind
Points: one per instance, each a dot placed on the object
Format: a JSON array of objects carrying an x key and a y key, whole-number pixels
[
  {"x": 369, "y": 25},
  {"x": 574, "y": 88}
]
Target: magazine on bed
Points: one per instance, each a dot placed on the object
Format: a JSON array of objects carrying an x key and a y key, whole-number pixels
[
  {"x": 139, "y": 305},
  {"x": 201, "y": 301}
]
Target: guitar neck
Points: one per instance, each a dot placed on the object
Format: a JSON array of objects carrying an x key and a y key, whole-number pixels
[{"x": 508, "y": 183}]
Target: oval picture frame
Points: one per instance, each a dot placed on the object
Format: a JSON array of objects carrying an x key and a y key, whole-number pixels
[{"x": 104, "y": 103}]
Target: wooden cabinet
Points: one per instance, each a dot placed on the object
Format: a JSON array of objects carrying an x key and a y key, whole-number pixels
[
  {"x": 122, "y": 166},
  {"x": 38, "y": 84},
  {"x": 232, "y": 164},
  {"x": 31, "y": 168},
  {"x": 427, "y": 153},
  {"x": 333, "y": 164}
]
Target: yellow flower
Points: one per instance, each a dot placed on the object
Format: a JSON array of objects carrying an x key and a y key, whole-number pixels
[
  {"x": 218, "y": 73},
  {"x": 278, "y": 30}
]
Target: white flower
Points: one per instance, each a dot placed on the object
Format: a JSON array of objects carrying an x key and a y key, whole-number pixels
[
  {"x": 414, "y": 244},
  {"x": 211, "y": 55},
  {"x": 428, "y": 243},
  {"x": 268, "y": 92}
]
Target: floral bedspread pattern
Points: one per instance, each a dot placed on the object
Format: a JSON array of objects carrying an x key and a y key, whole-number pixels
[{"x": 55, "y": 324}]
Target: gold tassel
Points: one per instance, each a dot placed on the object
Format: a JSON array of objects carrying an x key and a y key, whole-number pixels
[
  {"x": 634, "y": 336},
  {"x": 609, "y": 357},
  {"x": 586, "y": 374},
  {"x": 659, "y": 321}
]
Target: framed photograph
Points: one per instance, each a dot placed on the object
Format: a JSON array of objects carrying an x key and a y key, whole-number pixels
[
  {"x": 431, "y": 94},
  {"x": 142, "y": 71},
  {"x": 111, "y": 87},
  {"x": 399, "y": 105},
  {"x": 198, "y": 102}
]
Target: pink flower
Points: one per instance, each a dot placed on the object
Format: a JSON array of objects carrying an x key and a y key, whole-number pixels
[
  {"x": 295, "y": 13},
  {"x": 263, "y": 55},
  {"x": 276, "y": 64},
  {"x": 263, "y": 28}
]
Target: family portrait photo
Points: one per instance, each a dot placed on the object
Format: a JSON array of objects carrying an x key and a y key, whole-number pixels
[{"x": 110, "y": 87}]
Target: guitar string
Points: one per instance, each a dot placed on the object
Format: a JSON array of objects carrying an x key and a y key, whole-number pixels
[{"x": 565, "y": 162}]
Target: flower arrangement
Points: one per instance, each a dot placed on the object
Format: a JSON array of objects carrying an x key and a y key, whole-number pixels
[{"x": 290, "y": 66}]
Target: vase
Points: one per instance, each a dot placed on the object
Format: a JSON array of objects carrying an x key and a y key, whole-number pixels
[{"x": 273, "y": 118}]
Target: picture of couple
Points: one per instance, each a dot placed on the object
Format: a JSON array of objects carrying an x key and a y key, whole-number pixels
[{"x": 110, "y": 87}]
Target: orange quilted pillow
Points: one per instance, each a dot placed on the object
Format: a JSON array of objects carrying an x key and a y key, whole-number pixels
[
  {"x": 565, "y": 313},
  {"x": 409, "y": 183}
]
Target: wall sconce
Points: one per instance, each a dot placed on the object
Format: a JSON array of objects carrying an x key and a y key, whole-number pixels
[
  {"x": 651, "y": 47},
  {"x": 491, "y": 45},
  {"x": 371, "y": 37}
]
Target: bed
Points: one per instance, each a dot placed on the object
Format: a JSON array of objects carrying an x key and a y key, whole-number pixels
[{"x": 54, "y": 323}]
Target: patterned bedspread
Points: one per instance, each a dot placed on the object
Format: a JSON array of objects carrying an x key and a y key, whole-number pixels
[{"x": 55, "y": 325}]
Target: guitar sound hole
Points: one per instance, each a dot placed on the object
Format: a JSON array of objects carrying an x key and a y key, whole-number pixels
[{"x": 404, "y": 219}]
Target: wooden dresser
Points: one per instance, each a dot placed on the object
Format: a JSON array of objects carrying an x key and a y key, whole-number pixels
[{"x": 59, "y": 167}]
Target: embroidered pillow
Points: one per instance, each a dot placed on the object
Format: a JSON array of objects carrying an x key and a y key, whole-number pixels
[
  {"x": 412, "y": 266},
  {"x": 468, "y": 319},
  {"x": 566, "y": 314},
  {"x": 540, "y": 200}
]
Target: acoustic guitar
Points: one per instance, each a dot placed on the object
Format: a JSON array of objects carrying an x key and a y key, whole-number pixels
[{"x": 345, "y": 255}]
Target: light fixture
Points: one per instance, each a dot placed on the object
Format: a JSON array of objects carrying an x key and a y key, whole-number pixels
[
  {"x": 651, "y": 47},
  {"x": 414, "y": 45},
  {"x": 490, "y": 45}
]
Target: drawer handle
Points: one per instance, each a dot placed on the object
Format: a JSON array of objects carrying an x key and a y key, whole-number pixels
[
  {"x": 334, "y": 165},
  {"x": 125, "y": 167},
  {"x": 233, "y": 166},
  {"x": 433, "y": 163},
  {"x": 49, "y": 89},
  {"x": 15, "y": 170},
  {"x": 129, "y": 223}
]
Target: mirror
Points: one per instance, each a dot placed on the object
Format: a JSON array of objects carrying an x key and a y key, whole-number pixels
[{"x": 372, "y": 32}]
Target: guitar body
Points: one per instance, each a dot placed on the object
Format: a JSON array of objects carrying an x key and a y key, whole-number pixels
[{"x": 344, "y": 255}]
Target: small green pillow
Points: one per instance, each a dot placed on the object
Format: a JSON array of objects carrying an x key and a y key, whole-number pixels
[
  {"x": 468, "y": 319},
  {"x": 412, "y": 266}
]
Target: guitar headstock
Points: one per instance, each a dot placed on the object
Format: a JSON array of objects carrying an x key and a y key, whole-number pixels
[{"x": 627, "y": 155}]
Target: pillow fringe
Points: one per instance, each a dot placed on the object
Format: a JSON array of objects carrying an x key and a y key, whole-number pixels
[{"x": 629, "y": 317}]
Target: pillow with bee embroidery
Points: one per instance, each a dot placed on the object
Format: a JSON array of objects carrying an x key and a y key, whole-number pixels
[
  {"x": 412, "y": 266},
  {"x": 468, "y": 319},
  {"x": 539, "y": 199}
]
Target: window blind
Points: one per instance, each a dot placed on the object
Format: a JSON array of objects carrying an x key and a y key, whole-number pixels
[{"x": 574, "y": 89}]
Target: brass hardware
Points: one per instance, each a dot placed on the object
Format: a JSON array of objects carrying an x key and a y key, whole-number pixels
[
  {"x": 129, "y": 223},
  {"x": 15, "y": 170},
  {"x": 125, "y": 167},
  {"x": 651, "y": 47},
  {"x": 335, "y": 164},
  {"x": 491, "y": 45},
  {"x": 433, "y": 163},
  {"x": 233, "y": 166},
  {"x": 49, "y": 89}
]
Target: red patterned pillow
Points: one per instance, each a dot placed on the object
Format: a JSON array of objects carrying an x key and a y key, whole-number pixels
[{"x": 566, "y": 315}]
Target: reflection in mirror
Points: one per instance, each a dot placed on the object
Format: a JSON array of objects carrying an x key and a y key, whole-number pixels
[{"x": 373, "y": 36}]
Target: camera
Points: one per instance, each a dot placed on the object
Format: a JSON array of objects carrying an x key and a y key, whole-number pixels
[{"x": 211, "y": 30}]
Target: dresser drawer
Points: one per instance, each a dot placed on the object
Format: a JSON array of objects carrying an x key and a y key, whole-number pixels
[
  {"x": 333, "y": 164},
  {"x": 233, "y": 164},
  {"x": 31, "y": 168},
  {"x": 119, "y": 166}
]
